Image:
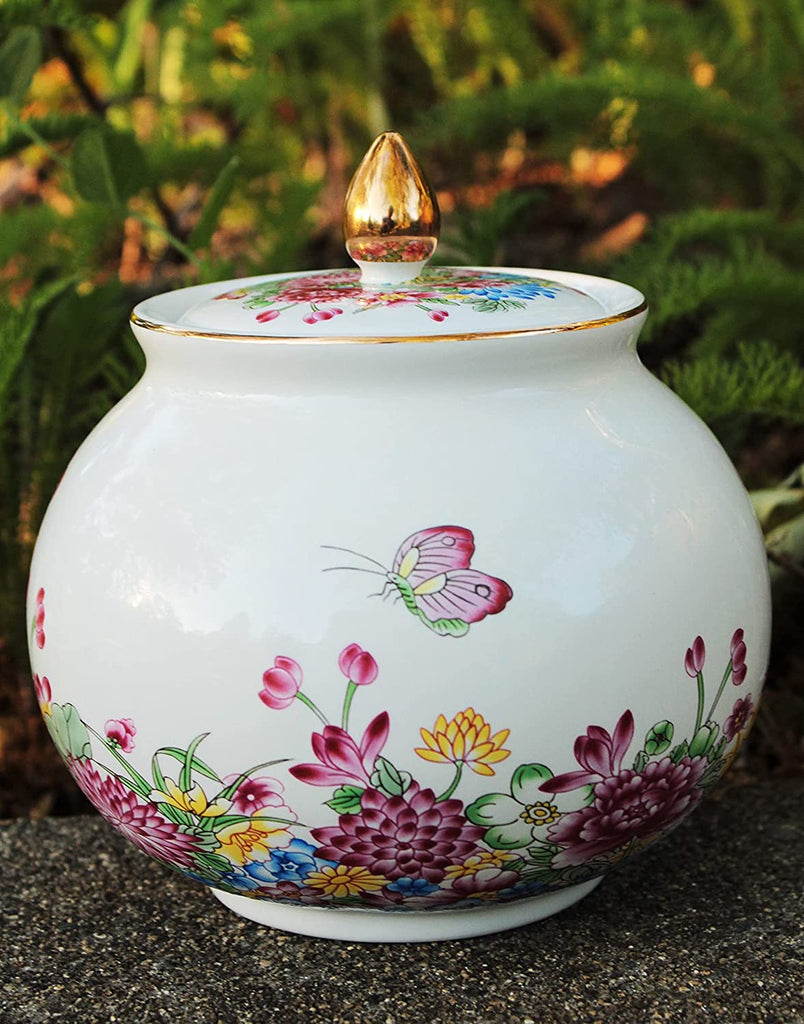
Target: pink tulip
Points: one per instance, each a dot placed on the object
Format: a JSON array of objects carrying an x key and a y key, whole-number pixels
[
  {"x": 357, "y": 665},
  {"x": 695, "y": 657},
  {"x": 281, "y": 683}
]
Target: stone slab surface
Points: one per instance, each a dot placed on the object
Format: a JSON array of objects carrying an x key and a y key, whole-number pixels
[{"x": 707, "y": 926}]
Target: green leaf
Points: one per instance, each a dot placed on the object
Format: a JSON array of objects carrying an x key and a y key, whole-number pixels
[
  {"x": 540, "y": 854},
  {"x": 703, "y": 739},
  {"x": 156, "y": 772},
  {"x": 346, "y": 800},
  {"x": 482, "y": 811},
  {"x": 68, "y": 731},
  {"x": 216, "y": 200},
  {"x": 503, "y": 837},
  {"x": 186, "y": 777},
  {"x": 20, "y": 56},
  {"x": 680, "y": 751},
  {"x": 213, "y": 860},
  {"x": 108, "y": 166},
  {"x": 197, "y": 764},
  {"x": 658, "y": 738},
  {"x": 388, "y": 779},
  {"x": 526, "y": 781}
]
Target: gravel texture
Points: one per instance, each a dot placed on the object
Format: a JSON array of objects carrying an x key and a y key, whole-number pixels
[{"x": 708, "y": 925}]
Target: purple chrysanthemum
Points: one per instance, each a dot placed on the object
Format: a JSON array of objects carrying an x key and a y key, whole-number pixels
[
  {"x": 628, "y": 805},
  {"x": 409, "y": 836},
  {"x": 138, "y": 821}
]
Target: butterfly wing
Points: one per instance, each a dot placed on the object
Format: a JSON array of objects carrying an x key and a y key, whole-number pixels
[
  {"x": 431, "y": 552},
  {"x": 465, "y": 594}
]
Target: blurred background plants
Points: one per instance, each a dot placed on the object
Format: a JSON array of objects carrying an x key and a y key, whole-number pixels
[{"x": 156, "y": 143}]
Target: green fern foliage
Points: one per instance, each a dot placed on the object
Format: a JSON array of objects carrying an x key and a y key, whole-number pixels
[{"x": 758, "y": 381}]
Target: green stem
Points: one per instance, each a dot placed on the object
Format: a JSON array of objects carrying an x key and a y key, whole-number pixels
[
  {"x": 720, "y": 689},
  {"x": 37, "y": 139},
  {"x": 351, "y": 690},
  {"x": 115, "y": 753},
  {"x": 177, "y": 244},
  {"x": 453, "y": 785},
  {"x": 699, "y": 717},
  {"x": 316, "y": 711}
]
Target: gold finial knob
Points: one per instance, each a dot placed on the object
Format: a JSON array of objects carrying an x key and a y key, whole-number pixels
[{"x": 390, "y": 215}]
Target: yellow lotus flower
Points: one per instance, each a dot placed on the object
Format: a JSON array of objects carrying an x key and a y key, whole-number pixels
[
  {"x": 248, "y": 840},
  {"x": 343, "y": 881},
  {"x": 466, "y": 739},
  {"x": 194, "y": 800}
]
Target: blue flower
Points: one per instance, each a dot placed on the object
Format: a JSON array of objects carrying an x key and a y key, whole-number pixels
[
  {"x": 528, "y": 888},
  {"x": 238, "y": 879},
  {"x": 496, "y": 293},
  {"x": 412, "y": 886},
  {"x": 293, "y": 864}
]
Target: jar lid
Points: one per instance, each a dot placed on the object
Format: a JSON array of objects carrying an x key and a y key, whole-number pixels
[
  {"x": 391, "y": 225},
  {"x": 440, "y": 301}
]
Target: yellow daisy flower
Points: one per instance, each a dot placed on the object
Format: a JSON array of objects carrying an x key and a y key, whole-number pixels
[{"x": 340, "y": 881}]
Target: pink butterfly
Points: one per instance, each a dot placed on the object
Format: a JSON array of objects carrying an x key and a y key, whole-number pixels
[{"x": 432, "y": 575}]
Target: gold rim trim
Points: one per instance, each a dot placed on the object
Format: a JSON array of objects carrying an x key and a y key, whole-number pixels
[{"x": 277, "y": 339}]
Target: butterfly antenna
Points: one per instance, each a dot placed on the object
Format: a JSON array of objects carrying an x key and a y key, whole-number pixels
[
  {"x": 352, "y": 568},
  {"x": 332, "y": 547}
]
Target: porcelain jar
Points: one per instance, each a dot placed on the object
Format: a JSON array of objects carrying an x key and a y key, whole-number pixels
[{"x": 398, "y": 610}]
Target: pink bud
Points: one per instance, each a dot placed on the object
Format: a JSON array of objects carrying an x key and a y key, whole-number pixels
[
  {"x": 42, "y": 687},
  {"x": 738, "y": 637},
  {"x": 347, "y": 656},
  {"x": 281, "y": 683},
  {"x": 738, "y": 656},
  {"x": 738, "y": 675},
  {"x": 695, "y": 657},
  {"x": 311, "y": 319},
  {"x": 267, "y": 314},
  {"x": 358, "y": 665}
]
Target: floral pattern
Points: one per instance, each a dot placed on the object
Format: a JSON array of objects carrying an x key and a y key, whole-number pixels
[
  {"x": 434, "y": 291},
  {"x": 388, "y": 840},
  {"x": 399, "y": 249}
]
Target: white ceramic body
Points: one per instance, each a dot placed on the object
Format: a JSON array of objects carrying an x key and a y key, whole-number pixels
[{"x": 182, "y": 553}]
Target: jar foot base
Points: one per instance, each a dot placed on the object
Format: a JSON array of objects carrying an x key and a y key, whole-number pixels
[{"x": 353, "y": 925}]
